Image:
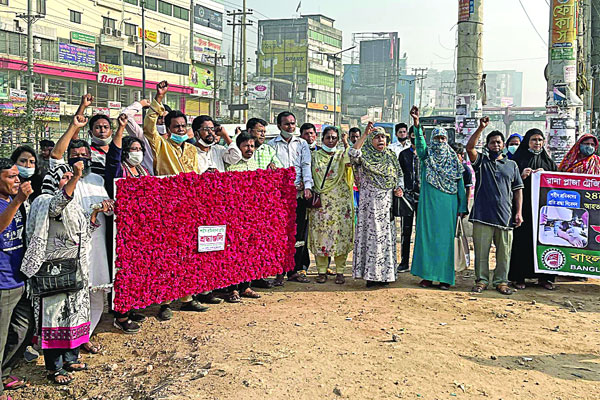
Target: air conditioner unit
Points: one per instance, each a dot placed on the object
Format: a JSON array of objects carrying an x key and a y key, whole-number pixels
[
  {"x": 107, "y": 30},
  {"x": 134, "y": 39},
  {"x": 117, "y": 33}
]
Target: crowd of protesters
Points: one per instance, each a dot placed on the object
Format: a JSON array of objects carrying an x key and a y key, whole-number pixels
[{"x": 57, "y": 206}]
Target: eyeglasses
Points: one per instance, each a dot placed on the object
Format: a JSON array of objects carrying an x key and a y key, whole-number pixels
[{"x": 207, "y": 129}]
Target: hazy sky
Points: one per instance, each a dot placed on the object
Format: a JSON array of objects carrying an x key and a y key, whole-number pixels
[{"x": 427, "y": 30}]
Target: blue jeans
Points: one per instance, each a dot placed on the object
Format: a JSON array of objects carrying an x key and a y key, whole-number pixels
[{"x": 55, "y": 359}]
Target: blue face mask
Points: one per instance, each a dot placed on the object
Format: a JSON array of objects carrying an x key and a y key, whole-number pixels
[
  {"x": 587, "y": 149},
  {"x": 328, "y": 149},
  {"x": 512, "y": 148},
  {"x": 25, "y": 172},
  {"x": 179, "y": 138}
]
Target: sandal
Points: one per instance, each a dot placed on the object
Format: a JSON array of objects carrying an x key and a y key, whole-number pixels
[
  {"x": 504, "y": 289},
  {"x": 90, "y": 348},
  {"x": 330, "y": 272},
  {"x": 425, "y": 283},
  {"x": 251, "y": 294},
  {"x": 339, "y": 279},
  {"x": 519, "y": 285},
  {"x": 298, "y": 278},
  {"x": 322, "y": 278},
  {"x": 444, "y": 286},
  {"x": 60, "y": 373},
  {"x": 479, "y": 287},
  {"x": 71, "y": 367},
  {"x": 233, "y": 297},
  {"x": 547, "y": 285},
  {"x": 279, "y": 280},
  {"x": 13, "y": 383}
]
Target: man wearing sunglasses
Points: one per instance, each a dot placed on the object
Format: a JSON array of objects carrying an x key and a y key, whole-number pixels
[{"x": 211, "y": 154}]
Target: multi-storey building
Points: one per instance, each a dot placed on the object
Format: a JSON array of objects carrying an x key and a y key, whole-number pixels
[
  {"x": 299, "y": 50},
  {"x": 95, "y": 47}
]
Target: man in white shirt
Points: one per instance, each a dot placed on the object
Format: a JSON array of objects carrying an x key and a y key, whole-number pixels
[
  {"x": 308, "y": 132},
  {"x": 211, "y": 155},
  {"x": 293, "y": 151},
  {"x": 402, "y": 135}
]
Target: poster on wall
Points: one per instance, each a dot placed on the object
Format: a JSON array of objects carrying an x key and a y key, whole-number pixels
[
  {"x": 566, "y": 224},
  {"x": 202, "y": 78}
]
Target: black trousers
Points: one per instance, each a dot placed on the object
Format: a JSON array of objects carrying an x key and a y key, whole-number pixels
[
  {"x": 301, "y": 257},
  {"x": 55, "y": 359},
  {"x": 16, "y": 316},
  {"x": 407, "y": 228}
]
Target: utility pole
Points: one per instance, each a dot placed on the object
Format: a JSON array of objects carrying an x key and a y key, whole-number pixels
[
  {"x": 561, "y": 75},
  {"x": 143, "y": 4},
  {"x": 384, "y": 95},
  {"x": 216, "y": 85},
  {"x": 595, "y": 67},
  {"x": 244, "y": 56},
  {"x": 30, "y": 18},
  {"x": 469, "y": 58},
  {"x": 243, "y": 81},
  {"x": 420, "y": 71},
  {"x": 233, "y": 24},
  {"x": 335, "y": 57}
]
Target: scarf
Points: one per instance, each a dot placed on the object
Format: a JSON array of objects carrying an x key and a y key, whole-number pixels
[
  {"x": 443, "y": 169},
  {"x": 526, "y": 159},
  {"x": 382, "y": 167},
  {"x": 577, "y": 163},
  {"x": 38, "y": 223}
]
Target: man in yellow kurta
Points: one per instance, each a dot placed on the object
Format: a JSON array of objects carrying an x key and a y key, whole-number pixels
[{"x": 172, "y": 154}]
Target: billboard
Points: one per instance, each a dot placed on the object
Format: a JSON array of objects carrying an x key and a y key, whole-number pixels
[
  {"x": 208, "y": 17},
  {"x": 77, "y": 55},
  {"x": 205, "y": 47},
  {"x": 284, "y": 57},
  {"x": 202, "y": 78}
]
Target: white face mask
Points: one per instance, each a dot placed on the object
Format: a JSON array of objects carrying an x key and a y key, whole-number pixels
[
  {"x": 285, "y": 135},
  {"x": 135, "y": 158},
  {"x": 101, "y": 142},
  {"x": 161, "y": 129}
]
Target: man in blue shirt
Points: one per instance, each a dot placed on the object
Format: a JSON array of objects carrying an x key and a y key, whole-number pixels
[{"x": 15, "y": 308}]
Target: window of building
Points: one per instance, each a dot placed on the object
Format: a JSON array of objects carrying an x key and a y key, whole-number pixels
[
  {"x": 130, "y": 29},
  {"x": 165, "y": 38},
  {"x": 151, "y": 5},
  {"x": 165, "y": 8},
  {"x": 320, "y": 78},
  {"x": 156, "y": 64},
  {"x": 181, "y": 13},
  {"x": 40, "y": 6},
  {"x": 3, "y": 2},
  {"x": 109, "y": 55},
  {"x": 75, "y": 16},
  {"x": 109, "y": 23},
  {"x": 134, "y": 2},
  {"x": 103, "y": 94}
]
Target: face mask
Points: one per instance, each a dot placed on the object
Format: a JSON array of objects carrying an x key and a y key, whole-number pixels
[
  {"x": 328, "y": 149},
  {"x": 25, "y": 172},
  {"x": 413, "y": 140},
  {"x": 536, "y": 152},
  {"x": 585, "y": 149},
  {"x": 161, "y": 129},
  {"x": 179, "y": 138},
  {"x": 493, "y": 154},
  {"x": 204, "y": 144},
  {"x": 402, "y": 140},
  {"x": 285, "y": 135},
  {"x": 101, "y": 142},
  {"x": 192, "y": 141},
  {"x": 512, "y": 148},
  {"x": 86, "y": 164},
  {"x": 135, "y": 158}
]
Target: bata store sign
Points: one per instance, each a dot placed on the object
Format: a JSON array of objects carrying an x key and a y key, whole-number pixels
[{"x": 110, "y": 74}]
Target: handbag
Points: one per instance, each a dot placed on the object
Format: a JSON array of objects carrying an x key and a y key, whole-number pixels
[
  {"x": 315, "y": 200},
  {"x": 461, "y": 248},
  {"x": 62, "y": 275},
  {"x": 406, "y": 205}
]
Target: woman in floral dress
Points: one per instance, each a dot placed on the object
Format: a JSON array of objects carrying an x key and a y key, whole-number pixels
[{"x": 331, "y": 227}]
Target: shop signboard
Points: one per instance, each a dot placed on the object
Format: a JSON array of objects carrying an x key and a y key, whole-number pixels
[
  {"x": 76, "y": 55},
  {"x": 83, "y": 39},
  {"x": 110, "y": 74}
]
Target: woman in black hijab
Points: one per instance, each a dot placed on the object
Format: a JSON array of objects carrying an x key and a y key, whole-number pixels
[{"x": 530, "y": 157}]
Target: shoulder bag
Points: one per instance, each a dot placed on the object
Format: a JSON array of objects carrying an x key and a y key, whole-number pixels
[
  {"x": 62, "y": 275},
  {"x": 315, "y": 201}
]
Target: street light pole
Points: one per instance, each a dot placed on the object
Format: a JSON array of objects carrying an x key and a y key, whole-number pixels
[
  {"x": 143, "y": 4},
  {"x": 334, "y": 57}
]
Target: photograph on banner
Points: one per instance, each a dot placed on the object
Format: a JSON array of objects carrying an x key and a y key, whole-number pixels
[
  {"x": 202, "y": 76},
  {"x": 566, "y": 214}
]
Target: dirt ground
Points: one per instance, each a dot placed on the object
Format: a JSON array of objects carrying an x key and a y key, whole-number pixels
[{"x": 312, "y": 341}]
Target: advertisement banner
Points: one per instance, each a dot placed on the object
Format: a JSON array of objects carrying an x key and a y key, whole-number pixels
[
  {"x": 465, "y": 9},
  {"x": 259, "y": 91},
  {"x": 566, "y": 224},
  {"x": 150, "y": 35},
  {"x": 76, "y": 55},
  {"x": 202, "y": 77},
  {"x": 83, "y": 39},
  {"x": 46, "y": 107},
  {"x": 211, "y": 238},
  {"x": 563, "y": 25},
  {"x": 284, "y": 57},
  {"x": 205, "y": 47},
  {"x": 110, "y": 74}
]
